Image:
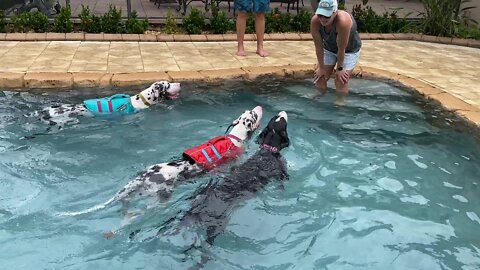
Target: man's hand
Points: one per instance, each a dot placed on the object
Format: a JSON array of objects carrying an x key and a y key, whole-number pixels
[
  {"x": 342, "y": 75},
  {"x": 318, "y": 74}
]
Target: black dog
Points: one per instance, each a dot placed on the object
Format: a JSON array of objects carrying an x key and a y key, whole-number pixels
[{"x": 212, "y": 204}]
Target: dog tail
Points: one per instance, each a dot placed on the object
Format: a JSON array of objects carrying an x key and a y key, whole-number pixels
[{"x": 91, "y": 209}]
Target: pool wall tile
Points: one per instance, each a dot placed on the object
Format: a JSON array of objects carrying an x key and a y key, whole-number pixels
[
  {"x": 219, "y": 74},
  {"x": 106, "y": 80},
  {"x": 181, "y": 37},
  {"x": 16, "y": 36},
  {"x": 112, "y": 37},
  {"x": 36, "y": 36},
  {"x": 230, "y": 37},
  {"x": 403, "y": 36},
  {"x": 88, "y": 79},
  {"x": 215, "y": 37},
  {"x": 129, "y": 37},
  {"x": 147, "y": 38},
  {"x": 198, "y": 38},
  {"x": 255, "y": 72},
  {"x": 474, "y": 43},
  {"x": 298, "y": 71},
  {"x": 3, "y": 36},
  {"x": 164, "y": 38},
  {"x": 140, "y": 78},
  {"x": 75, "y": 36},
  {"x": 11, "y": 80},
  {"x": 460, "y": 41},
  {"x": 55, "y": 36},
  {"x": 185, "y": 75},
  {"x": 48, "y": 80},
  {"x": 428, "y": 38},
  {"x": 453, "y": 103},
  {"x": 444, "y": 40},
  {"x": 94, "y": 37},
  {"x": 470, "y": 116}
]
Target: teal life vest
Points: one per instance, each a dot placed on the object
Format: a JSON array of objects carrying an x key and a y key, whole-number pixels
[{"x": 118, "y": 103}]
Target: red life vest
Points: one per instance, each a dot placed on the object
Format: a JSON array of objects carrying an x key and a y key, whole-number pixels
[{"x": 214, "y": 152}]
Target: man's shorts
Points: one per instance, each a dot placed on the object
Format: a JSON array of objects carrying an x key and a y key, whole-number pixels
[
  {"x": 349, "y": 63},
  {"x": 255, "y": 6}
]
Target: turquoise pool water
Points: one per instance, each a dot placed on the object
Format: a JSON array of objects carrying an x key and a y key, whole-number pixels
[{"x": 384, "y": 183}]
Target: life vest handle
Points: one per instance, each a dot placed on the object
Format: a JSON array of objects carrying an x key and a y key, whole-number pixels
[{"x": 118, "y": 96}]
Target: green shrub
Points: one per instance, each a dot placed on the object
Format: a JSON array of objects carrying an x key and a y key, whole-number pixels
[
  {"x": 467, "y": 31},
  {"x": 370, "y": 22},
  {"x": 441, "y": 17},
  {"x": 89, "y": 23},
  {"x": 3, "y": 27},
  {"x": 277, "y": 22},
  {"x": 62, "y": 22},
  {"x": 170, "y": 23},
  {"x": 112, "y": 20},
  {"x": 220, "y": 23},
  {"x": 194, "y": 23},
  {"x": 135, "y": 26},
  {"x": 301, "y": 22},
  {"x": 30, "y": 21}
]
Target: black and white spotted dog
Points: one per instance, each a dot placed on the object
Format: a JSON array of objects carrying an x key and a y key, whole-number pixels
[
  {"x": 59, "y": 115},
  {"x": 212, "y": 204},
  {"x": 161, "y": 179}
]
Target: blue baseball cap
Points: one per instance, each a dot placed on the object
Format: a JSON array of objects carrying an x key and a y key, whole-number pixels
[{"x": 327, "y": 7}]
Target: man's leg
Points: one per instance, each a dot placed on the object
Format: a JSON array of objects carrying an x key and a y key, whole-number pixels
[
  {"x": 341, "y": 90},
  {"x": 241, "y": 26},
  {"x": 260, "y": 31},
  {"x": 321, "y": 83}
]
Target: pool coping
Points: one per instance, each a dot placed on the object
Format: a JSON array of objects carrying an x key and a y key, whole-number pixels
[
  {"x": 222, "y": 37},
  {"x": 44, "y": 80}
]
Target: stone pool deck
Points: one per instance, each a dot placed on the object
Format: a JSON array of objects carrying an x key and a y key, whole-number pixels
[{"x": 441, "y": 69}]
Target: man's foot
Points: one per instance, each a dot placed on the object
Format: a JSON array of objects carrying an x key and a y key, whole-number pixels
[
  {"x": 319, "y": 93},
  {"x": 340, "y": 101},
  {"x": 262, "y": 53},
  {"x": 241, "y": 53}
]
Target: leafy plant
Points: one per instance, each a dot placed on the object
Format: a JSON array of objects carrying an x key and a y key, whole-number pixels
[
  {"x": 194, "y": 23},
  {"x": 301, "y": 22},
  {"x": 30, "y": 21},
  {"x": 276, "y": 22},
  {"x": 170, "y": 23},
  {"x": 3, "y": 27},
  {"x": 468, "y": 31},
  {"x": 89, "y": 23},
  {"x": 135, "y": 26},
  {"x": 370, "y": 22},
  {"x": 441, "y": 17},
  {"x": 220, "y": 23},
  {"x": 112, "y": 20},
  {"x": 62, "y": 22}
]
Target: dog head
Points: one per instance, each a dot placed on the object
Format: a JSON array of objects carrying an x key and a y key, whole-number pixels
[
  {"x": 274, "y": 136},
  {"x": 161, "y": 91},
  {"x": 246, "y": 123}
]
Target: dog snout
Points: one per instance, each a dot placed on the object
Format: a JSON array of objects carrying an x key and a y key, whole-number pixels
[{"x": 283, "y": 115}]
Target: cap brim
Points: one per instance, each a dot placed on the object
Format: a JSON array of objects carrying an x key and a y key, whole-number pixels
[{"x": 324, "y": 12}]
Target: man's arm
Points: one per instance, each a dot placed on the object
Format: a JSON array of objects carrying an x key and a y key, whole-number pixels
[
  {"x": 317, "y": 40},
  {"x": 343, "y": 34}
]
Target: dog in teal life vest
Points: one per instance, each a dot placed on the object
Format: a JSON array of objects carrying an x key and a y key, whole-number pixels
[{"x": 118, "y": 104}]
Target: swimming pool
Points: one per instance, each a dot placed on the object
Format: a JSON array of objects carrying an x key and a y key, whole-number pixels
[{"x": 386, "y": 182}]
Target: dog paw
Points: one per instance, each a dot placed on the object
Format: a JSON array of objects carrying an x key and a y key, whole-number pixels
[{"x": 108, "y": 235}]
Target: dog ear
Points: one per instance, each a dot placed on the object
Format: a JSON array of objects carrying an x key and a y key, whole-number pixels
[{"x": 284, "y": 134}]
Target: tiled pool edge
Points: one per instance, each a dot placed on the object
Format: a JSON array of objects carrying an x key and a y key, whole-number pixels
[
  {"x": 25, "y": 81},
  {"x": 221, "y": 37}
]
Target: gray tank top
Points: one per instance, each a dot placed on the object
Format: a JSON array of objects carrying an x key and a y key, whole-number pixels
[{"x": 330, "y": 39}]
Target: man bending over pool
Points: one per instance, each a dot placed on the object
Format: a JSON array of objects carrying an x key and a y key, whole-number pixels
[{"x": 337, "y": 42}]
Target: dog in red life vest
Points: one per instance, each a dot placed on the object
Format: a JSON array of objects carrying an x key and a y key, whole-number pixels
[{"x": 161, "y": 179}]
